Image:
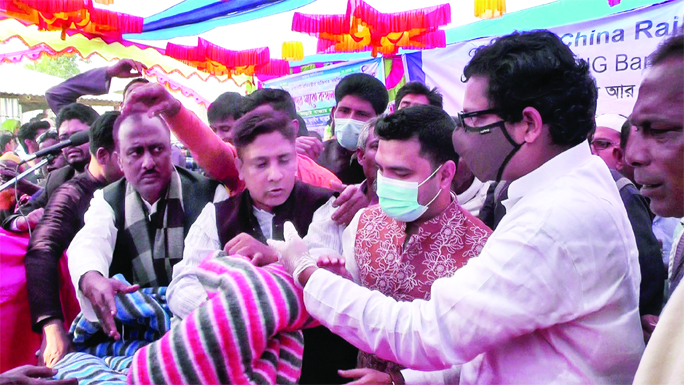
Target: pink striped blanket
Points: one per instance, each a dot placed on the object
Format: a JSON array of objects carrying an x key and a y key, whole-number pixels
[{"x": 249, "y": 331}]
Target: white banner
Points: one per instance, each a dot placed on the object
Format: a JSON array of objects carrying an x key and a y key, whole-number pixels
[
  {"x": 314, "y": 91},
  {"x": 615, "y": 47}
]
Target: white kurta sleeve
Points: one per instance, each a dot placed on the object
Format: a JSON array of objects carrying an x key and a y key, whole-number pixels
[
  {"x": 324, "y": 236},
  {"x": 92, "y": 247},
  {"x": 484, "y": 303},
  {"x": 186, "y": 293}
]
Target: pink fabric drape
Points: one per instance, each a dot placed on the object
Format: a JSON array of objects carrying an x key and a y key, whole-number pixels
[{"x": 18, "y": 344}]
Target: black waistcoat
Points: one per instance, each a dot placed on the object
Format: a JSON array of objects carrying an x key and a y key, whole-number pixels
[
  {"x": 197, "y": 191},
  {"x": 235, "y": 215}
]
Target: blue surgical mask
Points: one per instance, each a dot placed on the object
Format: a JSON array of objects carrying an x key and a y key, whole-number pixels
[
  {"x": 399, "y": 199},
  {"x": 347, "y": 132}
]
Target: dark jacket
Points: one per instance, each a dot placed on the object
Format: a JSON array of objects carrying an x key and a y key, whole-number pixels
[
  {"x": 324, "y": 352},
  {"x": 197, "y": 192},
  {"x": 63, "y": 218},
  {"x": 650, "y": 259},
  {"x": 235, "y": 215},
  {"x": 52, "y": 183}
]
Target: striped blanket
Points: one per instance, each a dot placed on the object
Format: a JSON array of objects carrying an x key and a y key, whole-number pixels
[
  {"x": 141, "y": 317},
  {"x": 249, "y": 331}
]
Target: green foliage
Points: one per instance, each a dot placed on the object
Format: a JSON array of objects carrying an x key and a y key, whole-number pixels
[{"x": 64, "y": 66}]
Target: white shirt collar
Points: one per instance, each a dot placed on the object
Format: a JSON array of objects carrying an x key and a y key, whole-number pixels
[
  {"x": 265, "y": 220},
  {"x": 470, "y": 192},
  {"x": 543, "y": 175}
]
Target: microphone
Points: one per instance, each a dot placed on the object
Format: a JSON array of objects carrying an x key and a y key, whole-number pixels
[{"x": 76, "y": 139}]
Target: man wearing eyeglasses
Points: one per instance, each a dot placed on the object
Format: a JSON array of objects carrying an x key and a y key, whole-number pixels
[
  {"x": 605, "y": 141},
  {"x": 553, "y": 296}
]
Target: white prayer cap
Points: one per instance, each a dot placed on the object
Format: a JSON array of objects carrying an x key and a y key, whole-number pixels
[{"x": 613, "y": 121}]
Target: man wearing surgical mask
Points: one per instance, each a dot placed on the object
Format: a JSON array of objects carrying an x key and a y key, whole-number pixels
[
  {"x": 553, "y": 297},
  {"x": 418, "y": 232},
  {"x": 359, "y": 98}
]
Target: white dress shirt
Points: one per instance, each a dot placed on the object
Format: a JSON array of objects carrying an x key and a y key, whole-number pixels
[
  {"x": 186, "y": 293},
  {"x": 473, "y": 198},
  {"x": 552, "y": 298},
  {"x": 93, "y": 246}
]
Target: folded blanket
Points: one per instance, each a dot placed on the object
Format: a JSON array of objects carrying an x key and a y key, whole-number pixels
[
  {"x": 91, "y": 370},
  {"x": 249, "y": 331},
  {"x": 141, "y": 317}
]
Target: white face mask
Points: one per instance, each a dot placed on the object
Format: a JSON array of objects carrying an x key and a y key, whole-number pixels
[{"x": 347, "y": 132}]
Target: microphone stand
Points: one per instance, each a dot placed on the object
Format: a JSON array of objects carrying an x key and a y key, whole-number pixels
[{"x": 19, "y": 177}]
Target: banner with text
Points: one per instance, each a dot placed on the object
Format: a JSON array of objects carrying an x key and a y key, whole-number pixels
[
  {"x": 616, "y": 48},
  {"x": 314, "y": 92}
]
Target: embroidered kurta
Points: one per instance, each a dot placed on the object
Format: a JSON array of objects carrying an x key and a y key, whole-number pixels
[{"x": 405, "y": 269}]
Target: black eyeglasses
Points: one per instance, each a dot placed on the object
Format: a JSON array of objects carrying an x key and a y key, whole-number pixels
[{"x": 465, "y": 120}]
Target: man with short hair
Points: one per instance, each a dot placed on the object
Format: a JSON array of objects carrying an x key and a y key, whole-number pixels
[
  {"x": 418, "y": 233},
  {"x": 553, "y": 295},
  {"x": 136, "y": 226},
  {"x": 63, "y": 218},
  {"x": 28, "y": 133},
  {"x": 223, "y": 113},
  {"x": 7, "y": 142},
  {"x": 656, "y": 151},
  {"x": 71, "y": 119},
  {"x": 280, "y": 100},
  {"x": 45, "y": 140},
  {"x": 416, "y": 93},
  {"x": 267, "y": 162},
  {"x": 359, "y": 98}
]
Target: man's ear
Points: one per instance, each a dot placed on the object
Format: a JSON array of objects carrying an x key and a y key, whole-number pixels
[
  {"x": 533, "y": 125},
  {"x": 446, "y": 174},
  {"x": 295, "y": 126},
  {"x": 619, "y": 156},
  {"x": 240, "y": 165},
  {"x": 101, "y": 155},
  {"x": 361, "y": 156}
]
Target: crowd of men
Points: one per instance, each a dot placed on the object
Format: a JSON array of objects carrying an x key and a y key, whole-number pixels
[{"x": 523, "y": 240}]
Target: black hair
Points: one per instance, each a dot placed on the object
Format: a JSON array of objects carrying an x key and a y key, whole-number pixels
[
  {"x": 5, "y": 137},
  {"x": 49, "y": 134},
  {"x": 102, "y": 132},
  {"x": 625, "y": 130},
  {"x": 303, "y": 131},
  {"x": 366, "y": 87},
  {"x": 256, "y": 123},
  {"x": 30, "y": 130},
  {"x": 227, "y": 105},
  {"x": 417, "y": 88},
  {"x": 431, "y": 125},
  {"x": 81, "y": 112},
  {"x": 279, "y": 99},
  {"x": 536, "y": 69},
  {"x": 133, "y": 81},
  {"x": 672, "y": 46}
]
